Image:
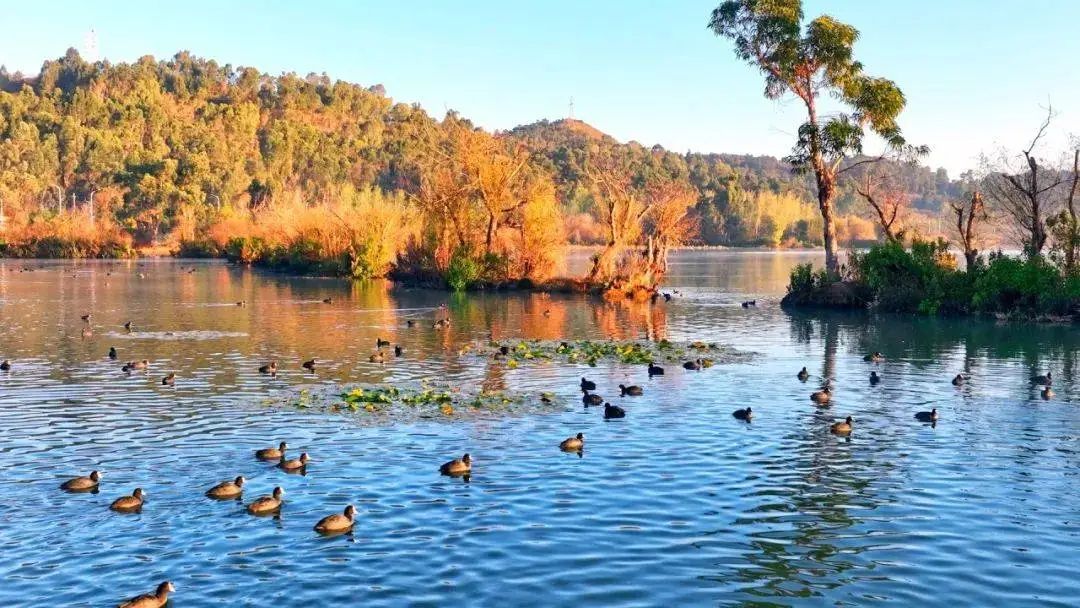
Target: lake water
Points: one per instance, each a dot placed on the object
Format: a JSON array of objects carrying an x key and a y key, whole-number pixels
[{"x": 678, "y": 504}]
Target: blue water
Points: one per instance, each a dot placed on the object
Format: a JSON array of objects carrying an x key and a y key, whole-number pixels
[{"x": 678, "y": 504}]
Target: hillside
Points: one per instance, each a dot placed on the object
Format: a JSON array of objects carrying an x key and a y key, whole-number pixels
[{"x": 158, "y": 146}]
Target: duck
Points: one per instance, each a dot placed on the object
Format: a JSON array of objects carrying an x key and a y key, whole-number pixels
[
  {"x": 157, "y": 599},
  {"x": 1047, "y": 393},
  {"x": 591, "y": 398},
  {"x": 547, "y": 312},
  {"x": 127, "y": 326},
  {"x": 573, "y": 444},
  {"x": 613, "y": 411},
  {"x": 227, "y": 489},
  {"x": 587, "y": 385},
  {"x": 398, "y": 351},
  {"x": 169, "y": 380},
  {"x": 803, "y": 374},
  {"x": 328, "y": 300},
  {"x": 338, "y": 522},
  {"x": 746, "y": 414},
  {"x": 842, "y": 428},
  {"x": 749, "y": 303},
  {"x": 1046, "y": 380},
  {"x": 457, "y": 466},
  {"x": 655, "y": 370},
  {"x": 958, "y": 379},
  {"x": 269, "y": 368},
  {"x": 242, "y": 303},
  {"x": 930, "y": 416},
  {"x": 272, "y": 453},
  {"x": 692, "y": 365},
  {"x": 296, "y": 464},
  {"x": 667, "y": 296},
  {"x": 874, "y": 378},
  {"x": 86, "y": 317},
  {"x": 129, "y": 504},
  {"x": 82, "y": 484},
  {"x": 134, "y": 365},
  {"x": 378, "y": 357},
  {"x": 5, "y": 366},
  {"x": 630, "y": 391},
  {"x": 822, "y": 397},
  {"x": 267, "y": 504},
  {"x": 441, "y": 324},
  {"x": 410, "y": 323},
  {"x": 309, "y": 365},
  {"x": 379, "y": 343},
  {"x": 875, "y": 357},
  {"x": 112, "y": 353},
  {"x": 505, "y": 351}
]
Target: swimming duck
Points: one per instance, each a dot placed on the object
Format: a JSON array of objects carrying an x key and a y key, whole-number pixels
[
  {"x": 295, "y": 464},
  {"x": 875, "y": 357},
  {"x": 591, "y": 398},
  {"x": 134, "y": 365},
  {"x": 1047, "y": 393},
  {"x": 5, "y": 366},
  {"x": 378, "y": 357},
  {"x": 547, "y": 312},
  {"x": 573, "y": 444},
  {"x": 746, "y": 414},
  {"x": 1046, "y": 380},
  {"x": 822, "y": 397},
  {"x": 930, "y": 416},
  {"x": 127, "y": 326},
  {"x": 272, "y": 453},
  {"x": 958, "y": 380},
  {"x": 667, "y": 296},
  {"x": 874, "y": 378},
  {"x": 82, "y": 484},
  {"x": 328, "y": 300},
  {"x": 410, "y": 323},
  {"x": 842, "y": 428},
  {"x": 587, "y": 385},
  {"x": 632, "y": 391},
  {"x": 338, "y": 522},
  {"x": 309, "y": 365},
  {"x": 398, "y": 351},
  {"x": 457, "y": 466},
  {"x": 267, "y": 504},
  {"x": 505, "y": 350},
  {"x": 112, "y": 353},
  {"x": 803, "y": 374},
  {"x": 749, "y": 303},
  {"x": 128, "y": 504},
  {"x": 169, "y": 380},
  {"x": 227, "y": 489},
  {"x": 692, "y": 365},
  {"x": 269, "y": 368},
  {"x": 379, "y": 343},
  {"x": 613, "y": 411},
  {"x": 242, "y": 303},
  {"x": 86, "y": 317},
  {"x": 655, "y": 370},
  {"x": 441, "y": 324},
  {"x": 156, "y": 599}
]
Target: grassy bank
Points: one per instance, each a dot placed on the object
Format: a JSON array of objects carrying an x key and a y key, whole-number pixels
[{"x": 924, "y": 279}]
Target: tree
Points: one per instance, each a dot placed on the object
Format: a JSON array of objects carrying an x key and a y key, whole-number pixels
[
  {"x": 769, "y": 35},
  {"x": 968, "y": 215},
  {"x": 887, "y": 199},
  {"x": 1026, "y": 192},
  {"x": 1065, "y": 226}
]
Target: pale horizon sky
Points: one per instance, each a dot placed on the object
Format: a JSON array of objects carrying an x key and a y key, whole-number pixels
[{"x": 977, "y": 74}]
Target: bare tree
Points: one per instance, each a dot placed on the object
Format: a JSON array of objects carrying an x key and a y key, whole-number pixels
[
  {"x": 968, "y": 215},
  {"x": 887, "y": 199},
  {"x": 1025, "y": 193}
]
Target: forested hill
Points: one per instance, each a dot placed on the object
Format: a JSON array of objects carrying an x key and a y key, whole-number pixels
[{"x": 148, "y": 142}]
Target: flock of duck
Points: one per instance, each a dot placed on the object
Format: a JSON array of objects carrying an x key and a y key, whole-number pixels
[{"x": 343, "y": 522}]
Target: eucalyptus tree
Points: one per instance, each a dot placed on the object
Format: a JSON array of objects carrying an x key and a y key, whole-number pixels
[{"x": 811, "y": 61}]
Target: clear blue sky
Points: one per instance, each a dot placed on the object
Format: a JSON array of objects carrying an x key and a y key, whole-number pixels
[{"x": 975, "y": 72}]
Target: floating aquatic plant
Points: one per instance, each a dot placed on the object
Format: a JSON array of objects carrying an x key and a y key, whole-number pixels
[
  {"x": 592, "y": 352},
  {"x": 425, "y": 401}
]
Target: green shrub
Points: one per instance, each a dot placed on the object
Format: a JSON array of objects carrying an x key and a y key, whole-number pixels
[{"x": 462, "y": 271}]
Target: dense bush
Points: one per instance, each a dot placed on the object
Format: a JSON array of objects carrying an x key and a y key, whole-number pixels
[{"x": 924, "y": 279}]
